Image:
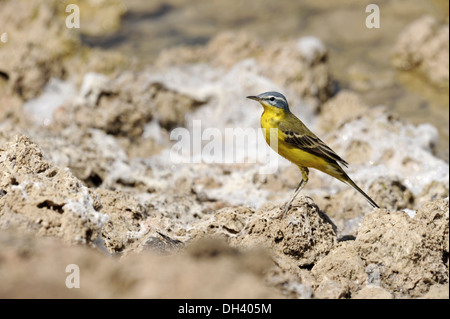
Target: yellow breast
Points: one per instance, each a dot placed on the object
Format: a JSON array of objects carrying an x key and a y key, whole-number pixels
[{"x": 270, "y": 121}]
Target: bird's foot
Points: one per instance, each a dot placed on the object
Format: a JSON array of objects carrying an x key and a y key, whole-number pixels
[{"x": 284, "y": 211}]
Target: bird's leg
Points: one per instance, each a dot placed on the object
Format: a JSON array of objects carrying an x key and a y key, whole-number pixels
[
  {"x": 305, "y": 172},
  {"x": 297, "y": 190}
]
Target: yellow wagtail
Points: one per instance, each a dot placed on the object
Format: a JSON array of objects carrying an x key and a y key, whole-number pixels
[{"x": 298, "y": 144}]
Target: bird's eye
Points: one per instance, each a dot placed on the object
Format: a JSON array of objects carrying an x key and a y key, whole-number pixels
[{"x": 272, "y": 98}]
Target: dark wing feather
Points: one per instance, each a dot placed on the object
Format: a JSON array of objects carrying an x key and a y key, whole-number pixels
[{"x": 312, "y": 144}]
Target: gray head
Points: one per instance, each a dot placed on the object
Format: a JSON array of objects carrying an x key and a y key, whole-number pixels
[{"x": 272, "y": 99}]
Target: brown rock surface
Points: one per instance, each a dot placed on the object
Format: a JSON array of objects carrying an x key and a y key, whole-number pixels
[
  {"x": 424, "y": 46},
  {"x": 95, "y": 185},
  {"x": 411, "y": 253},
  {"x": 38, "y": 196},
  {"x": 207, "y": 270}
]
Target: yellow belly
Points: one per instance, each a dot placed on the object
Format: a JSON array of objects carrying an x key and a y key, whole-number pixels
[{"x": 270, "y": 120}]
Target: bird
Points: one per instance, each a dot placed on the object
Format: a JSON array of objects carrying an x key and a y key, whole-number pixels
[{"x": 298, "y": 144}]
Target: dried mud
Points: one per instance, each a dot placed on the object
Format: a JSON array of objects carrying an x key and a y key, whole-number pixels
[{"x": 93, "y": 183}]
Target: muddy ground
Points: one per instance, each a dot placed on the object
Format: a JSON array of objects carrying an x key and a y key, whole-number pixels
[{"x": 87, "y": 177}]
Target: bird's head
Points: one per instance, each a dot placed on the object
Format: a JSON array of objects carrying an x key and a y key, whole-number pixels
[{"x": 274, "y": 99}]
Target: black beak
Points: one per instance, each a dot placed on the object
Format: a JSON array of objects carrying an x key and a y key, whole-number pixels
[{"x": 252, "y": 97}]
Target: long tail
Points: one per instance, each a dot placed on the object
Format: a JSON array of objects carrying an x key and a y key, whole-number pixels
[
  {"x": 370, "y": 200},
  {"x": 346, "y": 179}
]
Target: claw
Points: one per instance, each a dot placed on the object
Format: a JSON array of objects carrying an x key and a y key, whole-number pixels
[
  {"x": 286, "y": 209},
  {"x": 282, "y": 214}
]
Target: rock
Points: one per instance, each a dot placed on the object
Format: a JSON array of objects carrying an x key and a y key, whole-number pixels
[
  {"x": 46, "y": 48},
  {"x": 42, "y": 198},
  {"x": 32, "y": 55},
  {"x": 100, "y": 172},
  {"x": 126, "y": 107},
  {"x": 95, "y": 158},
  {"x": 304, "y": 236},
  {"x": 342, "y": 266},
  {"x": 330, "y": 289},
  {"x": 300, "y": 66},
  {"x": 356, "y": 136},
  {"x": 112, "y": 107},
  {"x": 227, "y": 273},
  {"x": 411, "y": 251},
  {"x": 424, "y": 46},
  {"x": 171, "y": 106},
  {"x": 398, "y": 198},
  {"x": 348, "y": 207},
  {"x": 344, "y": 107},
  {"x": 433, "y": 191},
  {"x": 107, "y": 23},
  {"x": 437, "y": 292},
  {"x": 372, "y": 293},
  {"x": 125, "y": 223}
]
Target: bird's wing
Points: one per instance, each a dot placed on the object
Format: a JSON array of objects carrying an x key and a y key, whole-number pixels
[{"x": 301, "y": 137}]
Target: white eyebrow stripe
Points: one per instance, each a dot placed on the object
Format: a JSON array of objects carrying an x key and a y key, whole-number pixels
[{"x": 278, "y": 98}]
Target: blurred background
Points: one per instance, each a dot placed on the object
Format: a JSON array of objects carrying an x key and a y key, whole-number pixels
[
  {"x": 360, "y": 59},
  {"x": 378, "y": 63},
  {"x": 86, "y": 116}
]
